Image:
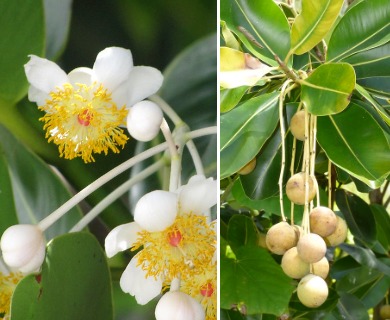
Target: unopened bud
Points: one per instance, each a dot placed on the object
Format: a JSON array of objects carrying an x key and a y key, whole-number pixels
[{"x": 23, "y": 247}]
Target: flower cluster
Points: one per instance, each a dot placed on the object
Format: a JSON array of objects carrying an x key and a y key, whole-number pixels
[
  {"x": 85, "y": 108},
  {"x": 176, "y": 243}
]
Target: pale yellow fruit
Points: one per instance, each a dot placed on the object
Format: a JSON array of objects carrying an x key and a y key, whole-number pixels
[
  {"x": 311, "y": 247},
  {"x": 293, "y": 265},
  {"x": 323, "y": 221},
  {"x": 297, "y": 125},
  {"x": 295, "y": 188},
  {"x": 261, "y": 241},
  {"x": 384, "y": 311},
  {"x": 281, "y": 237},
  {"x": 248, "y": 168},
  {"x": 321, "y": 268},
  {"x": 339, "y": 235},
  {"x": 312, "y": 291}
]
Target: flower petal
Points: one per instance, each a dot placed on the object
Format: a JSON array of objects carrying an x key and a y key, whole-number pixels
[
  {"x": 112, "y": 67},
  {"x": 121, "y": 238},
  {"x": 44, "y": 75},
  {"x": 198, "y": 195},
  {"x": 176, "y": 305},
  {"x": 80, "y": 75},
  {"x": 156, "y": 210},
  {"x": 134, "y": 282},
  {"x": 144, "y": 120},
  {"x": 142, "y": 83},
  {"x": 37, "y": 96}
]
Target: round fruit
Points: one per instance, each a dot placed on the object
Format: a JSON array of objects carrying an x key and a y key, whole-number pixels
[
  {"x": 293, "y": 265},
  {"x": 321, "y": 268},
  {"x": 295, "y": 188},
  {"x": 248, "y": 168},
  {"x": 339, "y": 235},
  {"x": 323, "y": 221},
  {"x": 261, "y": 241},
  {"x": 312, "y": 291},
  {"x": 311, "y": 247},
  {"x": 281, "y": 237},
  {"x": 384, "y": 311},
  {"x": 297, "y": 125}
]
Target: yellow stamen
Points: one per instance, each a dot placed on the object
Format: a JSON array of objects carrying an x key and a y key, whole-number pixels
[
  {"x": 7, "y": 286},
  {"x": 168, "y": 254},
  {"x": 83, "y": 120},
  {"x": 203, "y": 287}
]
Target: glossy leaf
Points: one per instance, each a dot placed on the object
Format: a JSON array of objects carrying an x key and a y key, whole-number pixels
[
  {"x": 382, "y": 221},
  {"x": 377, "y": 86},
  {"x": 363, "y": 27},
  {"x": 229, "y": 98},
  {"x": 365, "y": 257},
  {"x": 241, "y": 232},
  {"x": 350, "y": 307},
  {"x": 21, "y": 33},
  {"x": 358, "y": 215},
  {"x": 74, "y": 283},
  {"x": 37, "y": 190},
  {"x": 8, "y": 215},
  {"x": 245, "y": 129},
  {"x": 254, "y": 281},
  {"x": 328, "y": 89},
  {"x": 264, "y": 21},
  {"x": 355, "y": 142},
  {"x": 313, "y": 23},
  {"x": 57, "y": 16},
  {"x": 371, "y": 63}
]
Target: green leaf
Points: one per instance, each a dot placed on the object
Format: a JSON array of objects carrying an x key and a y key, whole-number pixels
[
  {"x": 241, "y": 232},
  {"x": 382, "y": 221},
  {"x": 354, "y": 141},
  {"x": 254, "y": 281},
  {"x": 365, "y": 26},
  {"x": 313, "y": 23},
  {"x": 367, "y": 284},
  {"x": 264, "y": 21},
  {"x": 245, "y": 129},
  {"x": 371, "y": 63},
  {"x": 350, "y": 307},
  {"x": 377, "y": 86},
  {"x": 37, "y": 190},
  {"x": 21, "y": 34},
  {"x": 231, "y": 97},
  {"x": 57, "y": 16},
  {"x": 74, "y": 283},
  {"x": 8, "y": 215},
  {"x": 328, "y": 89},
  {"x": 365, "y": 257},
  {"x": 358, "y": 215}
]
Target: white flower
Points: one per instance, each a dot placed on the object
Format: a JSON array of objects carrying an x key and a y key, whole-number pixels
[
  {"x": 173, "y": 232},
  {"x": 176, "y": 305},
  {"x": 23, "y": 248},
  {"x": 85, "y": 108}
]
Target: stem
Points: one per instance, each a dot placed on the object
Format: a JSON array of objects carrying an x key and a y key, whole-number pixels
[
  {"x": 81, "y": 195},
  {"x": 175, "y": 157},
  {"x": 166, "y": 108},
  {"x": 195, "y": 157},
  {"x": 329, "y": 184},
  {"x": 117, "y": 193},
  {"x": 283, "y": 93},
  {"x": 294, "y": 148},
  {"x": 313, "y": 140},
  {"x": 306, "y": 161}
]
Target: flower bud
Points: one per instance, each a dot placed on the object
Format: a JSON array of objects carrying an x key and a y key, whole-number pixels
[
  {"x": 144, "y": 120},
  {"x": 23, "y": 247},
  {"x": 176, "y": 305}
]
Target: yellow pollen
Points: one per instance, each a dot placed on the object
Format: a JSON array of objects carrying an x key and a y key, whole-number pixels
[
  {"x": 7, "y": 286},
  {"x": 83, "y": 120},
  {"x": 203, "y": 287},
  {"x": 181, "y": 249}
]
